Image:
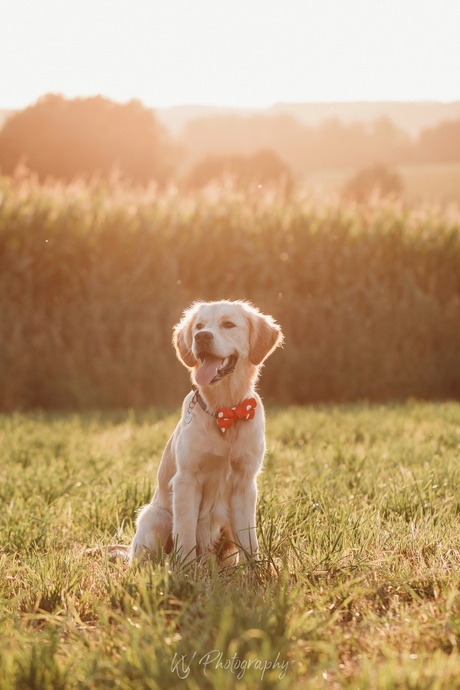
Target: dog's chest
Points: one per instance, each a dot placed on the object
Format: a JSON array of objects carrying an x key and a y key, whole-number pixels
[
  {"x": 214, "y": 466},
  {"x": 202, "y": 448}
]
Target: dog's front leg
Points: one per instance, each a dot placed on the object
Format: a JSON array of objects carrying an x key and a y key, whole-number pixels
[
  {"x": 243, "y": 509},
  {"x": 186, "y": 505}
]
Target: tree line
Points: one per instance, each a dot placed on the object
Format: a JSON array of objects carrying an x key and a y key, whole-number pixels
[
  {"x": 64, "y": 139},
  {"x": 332, "y": 144}
]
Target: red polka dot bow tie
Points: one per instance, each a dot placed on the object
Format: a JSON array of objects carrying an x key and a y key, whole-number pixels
[{"x": 227, "y": 415}]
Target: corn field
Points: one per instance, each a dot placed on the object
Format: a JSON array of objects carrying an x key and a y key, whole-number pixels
[{"x": 93, "y": 278}]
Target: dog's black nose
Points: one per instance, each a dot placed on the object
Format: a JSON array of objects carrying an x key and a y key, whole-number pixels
[{"x": 203, "y": 337}]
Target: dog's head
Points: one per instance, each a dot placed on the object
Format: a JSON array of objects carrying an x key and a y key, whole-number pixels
[{"x": 213, "y": 338}]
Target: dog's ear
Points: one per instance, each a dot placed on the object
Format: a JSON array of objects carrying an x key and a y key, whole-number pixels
[
  {"x": 265, "y": 336},
  {"x": 182, "y": 339}
]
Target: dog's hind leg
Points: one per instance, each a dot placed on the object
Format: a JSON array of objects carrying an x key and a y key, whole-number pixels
[{"x": 153, "y": 531}]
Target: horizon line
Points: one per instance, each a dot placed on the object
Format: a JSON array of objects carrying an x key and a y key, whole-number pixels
[{"x": 227, "y": 106}]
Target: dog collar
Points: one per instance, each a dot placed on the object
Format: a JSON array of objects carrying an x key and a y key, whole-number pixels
[{"x": 225, "y": 416}]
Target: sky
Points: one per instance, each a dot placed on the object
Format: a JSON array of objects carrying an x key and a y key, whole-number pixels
[{"x": 240, "y": 53}]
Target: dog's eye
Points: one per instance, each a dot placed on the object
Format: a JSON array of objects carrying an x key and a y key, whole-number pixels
[
  {"x": 199, "y": 326},
  {"x": 228, "y": 324}
]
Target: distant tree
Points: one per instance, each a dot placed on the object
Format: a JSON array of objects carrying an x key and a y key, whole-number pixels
[
  {"x": 228, "y": 135},
  {"x": 331, "y": 144},
  {"x": 263, "y": 167},
  {"x": 388, "y": 143},
  {"x": 376, "y": 180},
  {"x": 64, "y": 139},
  {"x": 439, "y": 144}
]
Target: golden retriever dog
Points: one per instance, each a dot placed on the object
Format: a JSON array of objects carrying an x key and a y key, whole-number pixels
[{"x": 205, "y": 500}]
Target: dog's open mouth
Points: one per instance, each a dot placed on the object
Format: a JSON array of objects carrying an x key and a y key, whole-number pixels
[{"x": 213, "y": 369}]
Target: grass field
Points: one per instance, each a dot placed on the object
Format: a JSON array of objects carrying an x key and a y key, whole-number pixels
[{"x": 358, "y": 586}]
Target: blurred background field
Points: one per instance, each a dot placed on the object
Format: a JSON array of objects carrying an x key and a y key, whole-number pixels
[
  {"x": 93, "y": 278},
  {"x": 111, "y": 224}
]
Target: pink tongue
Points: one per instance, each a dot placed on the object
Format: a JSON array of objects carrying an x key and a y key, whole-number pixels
[{"x": 208, "y": 370}]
